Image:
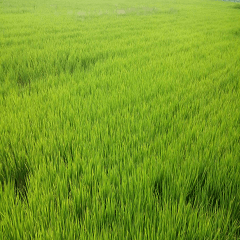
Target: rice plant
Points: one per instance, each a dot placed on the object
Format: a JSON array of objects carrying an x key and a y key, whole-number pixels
[{"x": 119, "y": 120}]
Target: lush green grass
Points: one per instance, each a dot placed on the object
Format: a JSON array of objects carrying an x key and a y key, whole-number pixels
[{"x": 119, "y": 124}]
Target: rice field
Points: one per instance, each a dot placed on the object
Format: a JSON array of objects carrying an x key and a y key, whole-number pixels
[{"x": 119, "y": 119}]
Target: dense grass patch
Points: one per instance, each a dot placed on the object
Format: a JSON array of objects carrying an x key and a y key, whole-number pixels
[{"x": 119, "y": 120}]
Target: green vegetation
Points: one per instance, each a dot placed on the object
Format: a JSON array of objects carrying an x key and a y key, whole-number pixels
[{"x": 119, "y": 120}]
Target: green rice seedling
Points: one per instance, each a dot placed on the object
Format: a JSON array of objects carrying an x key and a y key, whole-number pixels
[{"x": 119, "y": 126}]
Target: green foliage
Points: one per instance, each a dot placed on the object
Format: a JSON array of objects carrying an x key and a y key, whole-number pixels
[{"x": 119, "y": 121}]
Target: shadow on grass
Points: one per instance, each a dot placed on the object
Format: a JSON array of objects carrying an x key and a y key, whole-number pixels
[
  {"x": 29, "y": 69},
  {"x": 164, "y": 188},
  {"x": 16, "y": 171},
  {"x": 237, "y": 32},
  {"x": 215, "y": 196},
  {"x": 237, "y": 6},
  {"x": 21, "y": 174},
  {"x": 196, "y": 184}
]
